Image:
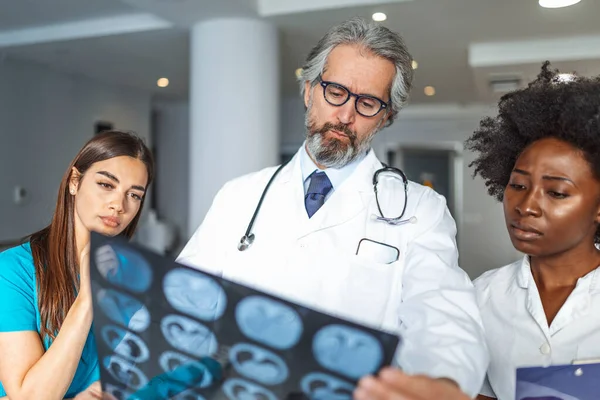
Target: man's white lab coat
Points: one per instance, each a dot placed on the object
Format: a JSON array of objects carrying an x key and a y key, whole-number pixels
[{"x": 424, "y": 296}]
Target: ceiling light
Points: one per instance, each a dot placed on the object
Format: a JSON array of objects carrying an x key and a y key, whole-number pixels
[
  {"x": 415, "y": 64},
  {"x": 379, "y": 16},
  {"x": 162, "y": 82},
  {"x": 557, "y": 3},
  {"x": 299, "y": 73},
  {"x": 429, "y": 91}
]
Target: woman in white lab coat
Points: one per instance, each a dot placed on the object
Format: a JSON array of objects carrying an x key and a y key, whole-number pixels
[{"x": 541, "y": 157}]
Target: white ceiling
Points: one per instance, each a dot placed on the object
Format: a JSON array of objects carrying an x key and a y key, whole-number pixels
[
  {"x": 15, "y": 14},
  {"x": 439, "y": 33}
]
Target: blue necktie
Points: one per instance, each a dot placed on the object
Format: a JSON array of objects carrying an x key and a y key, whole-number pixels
[{"x": 317, "y": 191}]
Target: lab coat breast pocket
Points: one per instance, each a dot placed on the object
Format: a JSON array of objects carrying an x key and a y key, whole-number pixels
[{"x": 372, "y": 289}]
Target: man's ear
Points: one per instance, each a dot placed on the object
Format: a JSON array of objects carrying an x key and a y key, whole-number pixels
[
  {"x": 74, "y": 180},
  {"x": 386, "y": 117},
  {"x": 307, "y": 93}
]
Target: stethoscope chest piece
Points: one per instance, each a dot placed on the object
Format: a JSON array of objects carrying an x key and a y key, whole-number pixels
[{"x": 245, "y": 242}]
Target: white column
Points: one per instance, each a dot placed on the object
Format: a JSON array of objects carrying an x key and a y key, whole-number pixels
[{"x": 234, "y": 105}]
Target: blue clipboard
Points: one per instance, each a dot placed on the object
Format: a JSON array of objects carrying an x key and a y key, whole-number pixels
[{"x": 559, "y": 382}]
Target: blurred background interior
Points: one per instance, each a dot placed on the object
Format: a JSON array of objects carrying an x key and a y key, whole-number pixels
[{"x": 211, "y": 86}]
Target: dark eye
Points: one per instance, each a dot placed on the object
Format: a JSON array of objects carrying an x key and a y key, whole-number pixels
[
  {"x": 105, "y": 185},
  {"x": 336, "y": 91},
  {"x": 367, "y": 103},
  {"x": 558, "y": 195},
  {"x": 136, "y": 196},
  {"x": 516, "y": 186}
]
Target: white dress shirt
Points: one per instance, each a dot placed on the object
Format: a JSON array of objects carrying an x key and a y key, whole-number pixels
[
  {"x": 517, "y": 330},
  {"x": 336, "y": 175}
]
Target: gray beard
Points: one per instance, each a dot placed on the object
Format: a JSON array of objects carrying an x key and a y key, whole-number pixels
[{"x": 333, "y": 153}]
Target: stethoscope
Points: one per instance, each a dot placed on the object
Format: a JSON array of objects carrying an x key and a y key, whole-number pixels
[{"x": 249, "y": 237}]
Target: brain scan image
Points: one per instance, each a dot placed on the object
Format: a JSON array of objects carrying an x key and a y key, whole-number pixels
[
  {"x": 123, "y": 267},
  {"x": 269, "y": 322},
  {"x": 186, "y": 369},
  {"x": 189, "y": 395},
  {"x": 124, "y": 310},
  {"x": 320, "y": 386},
  {"x": 258, "y": 364},
  {"x": 188, "y": 335},
  {"x": 124, "y": 372},
  {"x": 347, "y": 351},
  {"x": 125, "y": 343},
  {"x": 165, "y": 386},
  {"x": 116, "y": 392},
  {"x": 239, "y": 389},
  {"x": 195, "y": 294},
  {"x": 169, "y": 360}
]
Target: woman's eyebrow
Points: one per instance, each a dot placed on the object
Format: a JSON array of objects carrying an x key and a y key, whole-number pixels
[{"x": 114, "y": 178}]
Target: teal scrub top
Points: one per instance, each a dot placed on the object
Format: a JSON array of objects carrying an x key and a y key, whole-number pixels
[{"x": 19, "y": 312}]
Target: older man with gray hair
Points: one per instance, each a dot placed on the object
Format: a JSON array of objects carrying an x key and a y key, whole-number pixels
[{"x": 385, "y": 257}]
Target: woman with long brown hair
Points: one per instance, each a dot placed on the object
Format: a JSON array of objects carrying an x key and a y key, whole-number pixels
[{"x": 47, "y": 349}]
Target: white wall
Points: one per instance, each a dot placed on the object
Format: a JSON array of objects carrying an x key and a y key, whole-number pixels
[
  {"x": 172, "y": 164},
  {"x": 484, "y": 242},
  {"x": 45, "y": 118}
]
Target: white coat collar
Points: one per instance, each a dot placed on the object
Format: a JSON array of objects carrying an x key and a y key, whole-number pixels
[{"x": 352, "y": 196}]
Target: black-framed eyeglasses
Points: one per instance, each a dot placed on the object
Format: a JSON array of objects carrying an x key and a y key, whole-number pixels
[{"x": 338, "y": 95}]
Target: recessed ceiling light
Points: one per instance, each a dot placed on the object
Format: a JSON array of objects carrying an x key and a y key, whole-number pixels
[
  {"x": 379, "y": 16},
  {"x": 298, "y": 73},
  {"x": 162, "y": 82},
  {"x": 415, "y": 64},
  {"x": 429, "y": 91},
  {"x": 557, "y": 3}
]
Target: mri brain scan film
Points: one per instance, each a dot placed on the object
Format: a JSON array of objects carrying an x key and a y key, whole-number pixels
[
  {"x": 320, "y": 386},
  {"x": 117, "y": 392},
  {"x": 195, "y": 294},
  {"x": 188, "y": 335},
  {"x": 195, "y": 374},
  {"x": 123, "y": 267},
  {"x": 169, "y": 360},
  {"x": 258, "y": 364},
  {"x": 189, "y": 395},
  {"x": 239, "y": 389},
  {"x": 124, "y": 309},
  {"x": 125, "y": 372},
  {"x": 269, "y": 322},
  {"x": 125, "y": 344},
  {"x": 348, "y": 351},
  {"x": 168, "y": 331}
]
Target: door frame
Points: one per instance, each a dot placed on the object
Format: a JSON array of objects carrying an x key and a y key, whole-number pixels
[{"x": 456, "y": 150}]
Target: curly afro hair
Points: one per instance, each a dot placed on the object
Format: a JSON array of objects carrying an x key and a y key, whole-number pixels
[{"x": 552, "y": 106}]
